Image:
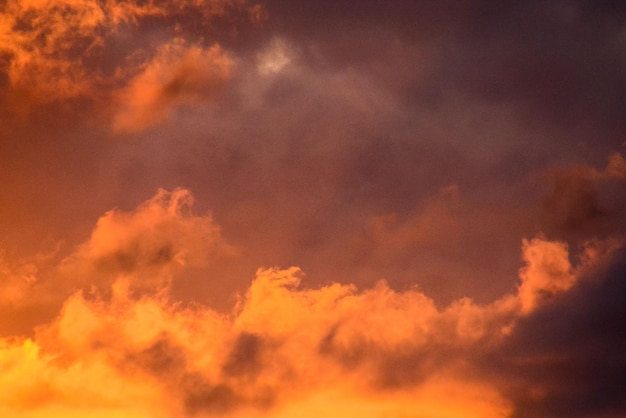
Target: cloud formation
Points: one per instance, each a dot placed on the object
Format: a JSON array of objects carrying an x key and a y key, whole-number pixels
[
  {"x": 148, "y": 244},
  {"x": 176, "y": 75},
  {"x": 585, "y": 201},
  {"x": 59, "y": 50},
  {"x": 128, "y": 347},
  {"x": 39, "y": 42},
  {"x": 397, "y": 152},
  {"x": 138, "y": 251}
]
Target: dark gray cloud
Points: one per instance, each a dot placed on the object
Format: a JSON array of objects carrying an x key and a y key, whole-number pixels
[
  {"x": 567, "y": 357},
  {"x": 561, "y": 62}
]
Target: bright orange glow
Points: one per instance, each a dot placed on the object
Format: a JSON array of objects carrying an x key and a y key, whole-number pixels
[{"x": 332, "y": 351}]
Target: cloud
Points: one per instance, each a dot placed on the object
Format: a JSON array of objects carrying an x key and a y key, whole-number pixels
[
  {"x": 566, "y": 356},
  {"x": 15, "y": 279},
  {"x": 274, "y": 58},
  {"x": 43, "y": 42},
  {"x": 148, "y": 245},
  {"x": 548, "y": 272},
  {"x": 555, "y": 65},
  {"x": 193, "y": 362},
  {"x": 587, "y": 202},
  {"x": 286, "y": 348},
  {"x": 178, "y": 74},
  {"x": 357, "y": 141},
  {"x": 63, "y": 51},
  {"x": 128, "y": 252}
]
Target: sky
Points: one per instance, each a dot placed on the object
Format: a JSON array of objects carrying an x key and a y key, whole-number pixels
[{"x": 377, "y": 209}]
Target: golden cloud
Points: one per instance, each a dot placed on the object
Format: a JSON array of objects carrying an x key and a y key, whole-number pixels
[
  {"x": 283, "y": 350},
  {"x": 52, "y": 51},
  {"x": 147, "y": 246},
  {"x": 44, "y": 42},
  {"x": 141, "y": 250}
]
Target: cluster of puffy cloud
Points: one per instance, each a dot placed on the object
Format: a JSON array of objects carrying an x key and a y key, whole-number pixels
[
  {"x": 58, "y": 51},
  {"x": 123, "y": 346},
  {"x": 148, "y": 243},
  {"x": 149, "y": 247}
]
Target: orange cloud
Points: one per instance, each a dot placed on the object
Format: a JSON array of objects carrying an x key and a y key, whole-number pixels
[
  {"x": 178, "y": 74},
  {"x": 274, "y": 357},
  {"x": 17, "y": 280},
  {"x": 135, "y": 251},
  {"x": 34, "y": 384},
  {"x": 52, "y": 51},
  {"x": 124, "y": 346},
  {"x": 45, "y": 42},
  {"x": 134, "y": 10},
  {"x": 148, "y": 245},
  {"x": 548, "y": 272}
]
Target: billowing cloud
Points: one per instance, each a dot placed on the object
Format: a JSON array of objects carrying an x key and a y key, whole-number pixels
[
  {"x": 141, "y": 250},
  {"x": 128, "y": 347},
  {"x": 566, "y": 356},
  {"x": 148, "y": 243}
]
